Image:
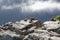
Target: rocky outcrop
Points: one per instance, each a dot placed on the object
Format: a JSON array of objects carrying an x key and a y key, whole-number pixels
[
  {"x": 28, "y": 29},
  {"x": 50, "y": 33},
  {"x": 42, "y": 35},
  {"x": 18, "y": 30},
  {"x": 51, "y": 25}
]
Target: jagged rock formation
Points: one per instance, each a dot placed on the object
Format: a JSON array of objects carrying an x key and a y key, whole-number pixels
[
  {"x": 52, "y": 32},
  {"x": 28, "y": 29},
  {"x": 18, "y": 30}
]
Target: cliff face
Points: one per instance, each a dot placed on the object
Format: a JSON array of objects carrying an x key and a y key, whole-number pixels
[{"x": 28, "y": 29}]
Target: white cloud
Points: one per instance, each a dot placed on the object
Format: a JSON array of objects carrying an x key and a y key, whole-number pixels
[
  {"x": 33, "y": 5},
  {"x": 7, "y": 7},
  {"x": 4, "y": 7},
  {"x": 40, "y": 5}
]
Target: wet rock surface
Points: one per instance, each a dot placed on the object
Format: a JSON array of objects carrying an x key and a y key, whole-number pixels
[{"x": 30, "y": 29}]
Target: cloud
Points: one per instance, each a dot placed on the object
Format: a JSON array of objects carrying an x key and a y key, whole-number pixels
[
  {"x": 41, "y": 9},
  {"x": 30, "y": 5},
  {"x": 57, "y": 0},
  {"x": 4, "y": 7},
  {"x": 40, "y": 5}
]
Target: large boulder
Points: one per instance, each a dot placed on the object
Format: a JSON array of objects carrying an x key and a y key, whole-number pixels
[{"x": 52, "y": 25}]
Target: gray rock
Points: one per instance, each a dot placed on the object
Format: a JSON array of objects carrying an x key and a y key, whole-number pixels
[
  {"x": 36, "y": 36},
  {"x": 7, "y": 37},
  {"x": 28, "y": 29},
  {"x": 55, "y": 38}
]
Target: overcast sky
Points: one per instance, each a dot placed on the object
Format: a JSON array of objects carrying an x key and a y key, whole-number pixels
[
  {"x": 29, "y": 5},
  {"x": 42, "y": 9}
]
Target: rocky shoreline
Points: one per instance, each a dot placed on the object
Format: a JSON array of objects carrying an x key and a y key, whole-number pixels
[{"x": 30, "y": 29}]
